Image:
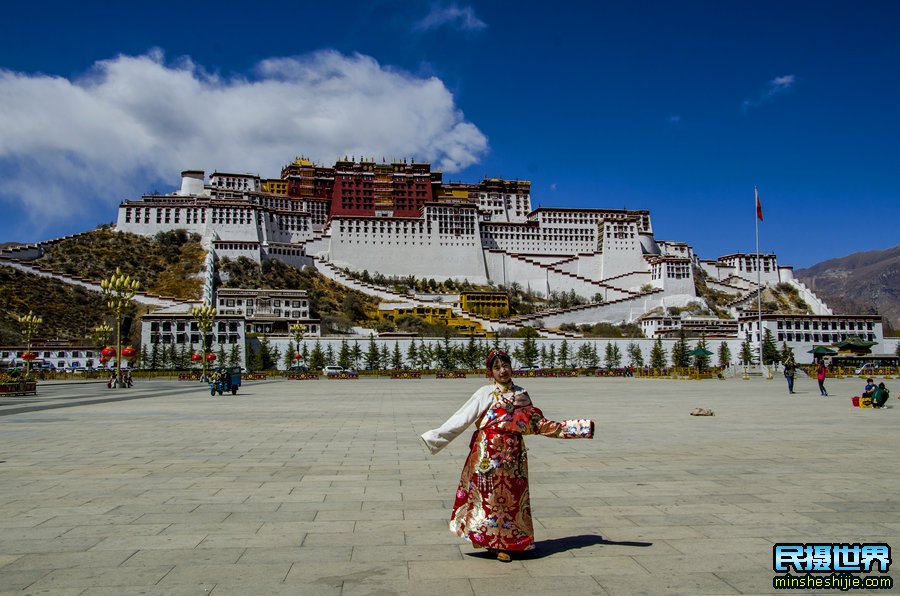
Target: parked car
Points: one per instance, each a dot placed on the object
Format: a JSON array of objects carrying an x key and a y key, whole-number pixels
[
  {"x": 298, "y": 368},
  {"x": 333, "y": 370}
]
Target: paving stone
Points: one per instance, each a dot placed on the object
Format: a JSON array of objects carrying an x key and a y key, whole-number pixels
[{"x": 326, "y": 489}]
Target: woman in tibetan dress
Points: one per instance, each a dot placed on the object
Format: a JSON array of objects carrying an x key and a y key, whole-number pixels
[{"x": 492, "y": 508}]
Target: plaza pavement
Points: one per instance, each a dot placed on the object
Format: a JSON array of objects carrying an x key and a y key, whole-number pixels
[{"x": 323, "y": 487}]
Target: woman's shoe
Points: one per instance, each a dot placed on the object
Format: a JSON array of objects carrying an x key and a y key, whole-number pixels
[{"x": 503, "y": 556}]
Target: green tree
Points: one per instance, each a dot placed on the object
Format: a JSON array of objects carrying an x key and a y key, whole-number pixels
[
  {"x": 267, "y": 358},
  {"x": 526, "y": 353},
  {"x": 234, "y": 356},
  {"x": 289, "y": 355},
  {"x": 724, "y": 354},
  {"x": 770, "y": 348},
  {"x": 680, "y": 357},
  {"x": 701, "y": 361},
  {"x": 372, "y": 355},
  {"x": 635, "y": 355},
  {"x": 317, "y": 357},
  {"x": 551, "y": 356},
  {"x": 345, "y": 355},
  {"x": 184, "y": 357},
  {"x": 412, "y": 354},
  {"x": 330, "y": 359},
  {"x": 155, "y": 357},
  {"x": 563, "y": 358},
  {"x": 356, "y": 354},
  {"x": 747, "y": 355},
  {"x": 658, "y": 357},
  {"x": 613, "y": 355},
  {"x": 145, "y": 357},
  {"x": 252, "y": 357},
  {"x": 786, "y": 352},
  {"x": 220, "y": 355},
  {"x": 447, "y": 357},
  {"x": 397, "y": 357},
  {"x": 384, "y": 358}
]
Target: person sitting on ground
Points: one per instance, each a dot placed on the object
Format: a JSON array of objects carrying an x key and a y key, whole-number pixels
[
  {"x": 880, "y": 396},
  {"x": 870, "y": 388}
]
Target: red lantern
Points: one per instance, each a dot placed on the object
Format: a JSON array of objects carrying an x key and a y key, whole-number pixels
[
  {"x": 29, "y": 356},
  {"x": 210, "y": 357},
  {"x": 196, "y": 357},
  {"x": 103, "y": 359},
  {"x": 298, "y": 356},
  {"x": 128, "y": 353},
  {"x": 107, "y": 352}
]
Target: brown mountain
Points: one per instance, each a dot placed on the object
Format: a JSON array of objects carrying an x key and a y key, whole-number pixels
[{"x": 861, "y": 283}]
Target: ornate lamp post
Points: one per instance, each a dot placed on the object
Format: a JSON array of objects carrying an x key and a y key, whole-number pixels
[
  {"x": 29, "y": 323},
  {"x": 119, "y": 289},
  {"x": 204, "y": 315},
  {"x": 297, "y": 330},
  {"x": 100, "y": 334}
]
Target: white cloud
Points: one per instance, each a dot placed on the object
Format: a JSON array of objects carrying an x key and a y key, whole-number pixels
[
  {"x": 774, "y": 88},
  {"x": 132, "y": 123},
  {"x": 450, "y": 16}
]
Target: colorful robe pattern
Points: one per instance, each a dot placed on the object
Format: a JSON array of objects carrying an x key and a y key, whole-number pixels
[{"x": 492, "y": 508}]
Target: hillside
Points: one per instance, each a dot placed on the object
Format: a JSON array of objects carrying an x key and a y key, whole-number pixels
[
  {"x": 861, "y": 283},
  {"x": 168, "y": 263},
  {"x": 69, "y": 312}
]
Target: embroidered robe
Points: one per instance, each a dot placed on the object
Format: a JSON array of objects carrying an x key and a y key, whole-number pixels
[{"x": 492, "y": 508}]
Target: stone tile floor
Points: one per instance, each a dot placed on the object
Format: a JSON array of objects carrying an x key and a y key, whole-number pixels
[{"x": 323, "y": 487}]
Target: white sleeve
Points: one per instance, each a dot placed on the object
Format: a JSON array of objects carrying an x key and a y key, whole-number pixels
[{"x": 440, "y": 437}]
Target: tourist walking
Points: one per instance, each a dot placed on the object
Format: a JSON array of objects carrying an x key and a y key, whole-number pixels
[
  {"x": 492, "y": 508},
  {"x": 790, "y": 369},
  {"x": 820, "y": 376}
]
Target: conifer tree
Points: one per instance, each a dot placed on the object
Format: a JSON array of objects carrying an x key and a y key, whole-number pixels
[
  {"x": 543, "y": 356},
  {"x": 724, "y": 354},
  {"x": 747, "y": 354},
  {"x": 384, "y": 358},
  {"x": 145, "y": 357},
  {"x": 680, "y": 357},
  {"x": 234, "y": 356},
  {"x": 551, "y": 356},
  {"x": 563, "y": 357},
  {"x": 658, "y": 358},
  {"x": 356, "y": 354},
  {"x": 345, "y": 355},
  {"x": 412, "y": 354},
  {"x": 289, "y": 355},
  {"x": 769, "y": 348},
  {"x": 373, "y": 355},
  {"x": 317, "y": 357},
  {"x": 329, "y": 356},
  {"x": 220, "y": 355},
  {"x": 397, "y": 358},
  {"x": 635, "y": 355}
]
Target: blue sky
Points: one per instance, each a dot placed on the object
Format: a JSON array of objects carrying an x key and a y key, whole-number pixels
[{"x": 676, "y": 107}]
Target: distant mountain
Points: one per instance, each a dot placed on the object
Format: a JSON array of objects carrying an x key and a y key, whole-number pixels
[{"x": 861, "y": 283}]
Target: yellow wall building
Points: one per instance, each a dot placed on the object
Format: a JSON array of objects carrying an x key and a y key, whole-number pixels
[
  {"x": 431, "y": 314},
  {"x": 494, "y": 305}
]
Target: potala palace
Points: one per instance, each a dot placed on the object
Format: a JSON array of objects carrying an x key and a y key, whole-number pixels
[{"x": 401, "y": 219}]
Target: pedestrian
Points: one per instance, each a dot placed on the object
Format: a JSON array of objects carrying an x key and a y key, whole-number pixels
[
  {"x": 790, "y": 369},
  {"x": 492, "y": 508},
  {"x": 820, "y": 376}
]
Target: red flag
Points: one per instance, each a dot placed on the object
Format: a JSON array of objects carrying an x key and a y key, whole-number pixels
[{"x": 758, "y": 205}]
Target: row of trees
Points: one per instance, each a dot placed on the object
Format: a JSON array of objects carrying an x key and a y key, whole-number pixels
[{"x": 449, "y": 355}]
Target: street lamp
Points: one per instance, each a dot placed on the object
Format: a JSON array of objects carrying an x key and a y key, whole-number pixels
[
  {"x": 297, "y": 330},
  {"x": 204, "y": 315},
  {"x": 29, "y": 323},
  {"x": 119, "y": 289}
]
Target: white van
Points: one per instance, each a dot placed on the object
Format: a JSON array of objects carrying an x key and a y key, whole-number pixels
[{"x": 332, "y": 370}]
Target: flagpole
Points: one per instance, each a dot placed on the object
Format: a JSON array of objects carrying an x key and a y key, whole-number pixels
[{"x": 758, "y": 279}]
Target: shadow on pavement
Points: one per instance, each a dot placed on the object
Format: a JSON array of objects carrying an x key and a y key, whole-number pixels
[{"x": 546, "y": 548}]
